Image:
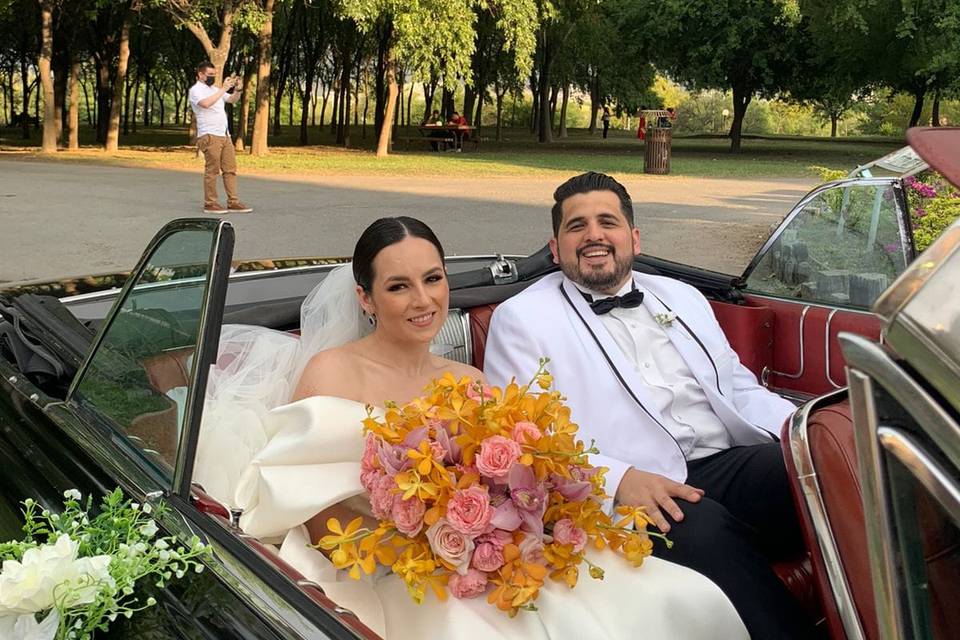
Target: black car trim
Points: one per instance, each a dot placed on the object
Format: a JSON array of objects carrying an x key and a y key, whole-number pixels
[
  {"x": 324, "y": 620},
  {"x": 207, "y": 348}
]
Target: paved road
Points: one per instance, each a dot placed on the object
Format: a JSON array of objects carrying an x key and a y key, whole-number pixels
[{"x": 59, "y": 219}]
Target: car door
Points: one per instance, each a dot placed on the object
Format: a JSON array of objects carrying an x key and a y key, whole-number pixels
[{"x": 819, "y": 273}]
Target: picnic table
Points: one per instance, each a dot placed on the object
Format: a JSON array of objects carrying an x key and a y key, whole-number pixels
[{"x": 445, "y": 134}]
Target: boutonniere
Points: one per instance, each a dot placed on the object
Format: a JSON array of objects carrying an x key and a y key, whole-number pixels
[{"x": 665, "y": 319}]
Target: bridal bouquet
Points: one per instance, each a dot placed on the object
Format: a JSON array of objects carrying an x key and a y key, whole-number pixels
[
  {"x": 482, "y": 491},
  {"x": 77, "y": 572}
]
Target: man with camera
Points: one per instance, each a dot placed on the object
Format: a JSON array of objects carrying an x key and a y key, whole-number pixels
[{"x": 213, "y": 138}]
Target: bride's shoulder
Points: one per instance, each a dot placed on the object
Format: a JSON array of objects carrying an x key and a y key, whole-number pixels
[
  {"x": 327, "y": 373},
  {"x": 460, "y": 369}
]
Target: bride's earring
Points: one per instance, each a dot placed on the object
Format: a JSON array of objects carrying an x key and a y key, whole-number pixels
[{"x": 373, "y": 320}]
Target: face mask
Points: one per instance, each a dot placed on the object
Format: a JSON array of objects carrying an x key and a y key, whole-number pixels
[{"x": 209, "y": 81}]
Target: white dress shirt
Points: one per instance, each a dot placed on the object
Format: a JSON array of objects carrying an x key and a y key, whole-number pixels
[
  {"x": 677, "y": 395},
  {"x": 213, "y": 119}
]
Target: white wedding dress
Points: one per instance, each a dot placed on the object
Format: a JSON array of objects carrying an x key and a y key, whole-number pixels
[
  {"x": 301, "y": 458},
  {"x": 312, "y": 461}
]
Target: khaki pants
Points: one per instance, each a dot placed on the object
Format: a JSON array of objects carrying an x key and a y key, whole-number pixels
[{"x": 220, "y": 157}]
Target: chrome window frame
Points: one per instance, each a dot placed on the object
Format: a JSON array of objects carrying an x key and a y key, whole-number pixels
[{"x": 870, "y": 368}]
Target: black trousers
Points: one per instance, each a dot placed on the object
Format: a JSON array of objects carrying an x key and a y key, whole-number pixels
[{"x": 745, "y": 520}]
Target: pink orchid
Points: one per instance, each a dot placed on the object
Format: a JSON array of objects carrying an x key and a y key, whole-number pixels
[
  {"x": 526, "y": 504},
  {"x": 572, "y": 490}
]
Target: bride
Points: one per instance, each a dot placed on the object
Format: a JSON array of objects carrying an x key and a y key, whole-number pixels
[{"x": 366, "y": 339}]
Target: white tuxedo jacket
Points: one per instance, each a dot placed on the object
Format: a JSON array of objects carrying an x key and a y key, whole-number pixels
[{"x": 607, "y": 396}]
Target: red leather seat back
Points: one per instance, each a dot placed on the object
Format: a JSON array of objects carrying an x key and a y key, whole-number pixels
[
  {"x": 479, "y": 328},
  {"x": 833, "y": 455}
]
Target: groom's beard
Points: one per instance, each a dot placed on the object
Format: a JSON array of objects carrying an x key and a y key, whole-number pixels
[{"x": 597, "y": 279}]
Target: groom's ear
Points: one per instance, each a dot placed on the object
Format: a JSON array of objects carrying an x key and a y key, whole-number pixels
[{"x": 552, "y": 243}]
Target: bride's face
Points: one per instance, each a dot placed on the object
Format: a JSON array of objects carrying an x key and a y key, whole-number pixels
[{"x": 409, "y": 293}]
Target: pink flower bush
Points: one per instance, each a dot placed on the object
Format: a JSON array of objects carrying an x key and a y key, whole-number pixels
[
  {"x": 526, "y": 432},
  {"x": 450, "y": 545},
  {"x": 469, "y": 511},
  {"x": 469, "y": 585},
  {"x": 565, "y": 532},
  {"x": 408, "y": 516},
  {"x": 497, "y": 454}
]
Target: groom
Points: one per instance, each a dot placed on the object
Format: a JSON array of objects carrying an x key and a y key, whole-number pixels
[{"x": 683, "y": 427}]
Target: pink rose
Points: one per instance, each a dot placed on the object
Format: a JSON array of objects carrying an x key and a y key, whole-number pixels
[
  {"x": 497, "y": 454},
  {"x": 437, "y": 451},
  {"x": 565, "y": 532},
  {"x": 469, "y": 585},
  {"x": 498, "y": 538},
  {"x": 531, "y": 550},
  {"x": 526, "y": 432},
  {"x": 408, "y": 516},
  {"x": 469, "y": 511},
  {"x": 370, "y": 448},
  {"x": 487, "y": 557},
  {"x": 480, "y": 392},
  {"x": 383, "y": 496},
  {"x": 450, "y": 545}
]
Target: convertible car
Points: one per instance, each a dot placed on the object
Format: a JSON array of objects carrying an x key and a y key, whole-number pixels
[{"x": 87, "y": 372}]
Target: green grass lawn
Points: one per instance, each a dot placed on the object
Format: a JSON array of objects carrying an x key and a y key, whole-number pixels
[{"x": 517, "y": 154}]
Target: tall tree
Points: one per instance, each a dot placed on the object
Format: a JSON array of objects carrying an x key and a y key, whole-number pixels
[
  {"x": 261, "y": 118},
  {"x": 747, "y": 46},
  {"x": 50, "y": 120}
]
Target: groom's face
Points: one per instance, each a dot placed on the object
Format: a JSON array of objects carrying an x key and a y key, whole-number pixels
[{"x": 595, "y": 245}]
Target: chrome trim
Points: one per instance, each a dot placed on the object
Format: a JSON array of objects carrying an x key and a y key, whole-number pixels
[
  {"x": 468, "y": 336},
  {"x": 874, "y": 499},
  {"x": 924, "y": 468},
  {"x": 869, "y": 365},
  {"x": 310, "y": 583},
  {"x": 767, "y": 371},
  {"x": 826, "y": 340},
  {"x": 943, "y": 429},
  {"x": 813, "y": 498},
  {"x": 807, "y": 199}
]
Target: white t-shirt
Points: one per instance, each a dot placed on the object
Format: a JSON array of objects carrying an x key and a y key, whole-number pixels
[
  {"x": 213, "y": 119},
  {"x": 686, "y": 412}
]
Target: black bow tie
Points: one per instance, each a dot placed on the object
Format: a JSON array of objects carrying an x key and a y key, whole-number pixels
[{"x": 630, "y": 300}]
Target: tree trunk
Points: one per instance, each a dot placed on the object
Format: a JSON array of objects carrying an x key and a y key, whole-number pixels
[
  {"x": 261, "y": 120},
  {"x": 594, "y": 102},
  {"x": 160, "y": 106},
  {"x": 554, "y": 94},
  {"x": 307, "y": 97},
  {"x": 147, "y": 101},
  {"x": 91, "y": 109},
  {"x": 61, "y": 75},
  {"x": 741, "y": 100},
  {"x": 73, "y": 112},
  {"x": 113, "y": 130},
  {"x": 935, "y": 113},
  {"x": 469, "y": 102},
  {"x": 25, "y": 95},
  {"x": 132, "y": 109},
  {"x": 49, "y": 143},
  {"x": 383, "y": 143},
  {"x": 535, "y": 102},
  {"x": 918, "y": 97},
  {"x": 380, "y": 80},
  {"x": 545, "y": 134},
  {"x": 243, "y": 129},
  {"x": 429, "y": 90},
  {"x": 290, "y": 97},
  {"x": 834, "y": 118},
  {"x": 410, "y": 102},
  {"x": 323, "y": 104},
  {"x": 563, "y": 110},
  {"x": 499, "y": 113},
  {"x": 343, "y": 123}
]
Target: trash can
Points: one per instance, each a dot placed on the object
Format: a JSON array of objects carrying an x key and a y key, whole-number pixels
[{"x": 656, "y": 154}]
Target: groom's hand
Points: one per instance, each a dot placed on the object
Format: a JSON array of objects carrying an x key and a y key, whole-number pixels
[{"x": 656, "y": 493}]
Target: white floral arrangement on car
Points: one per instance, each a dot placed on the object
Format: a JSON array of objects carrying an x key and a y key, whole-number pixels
[{"x": 73, "y": 573}]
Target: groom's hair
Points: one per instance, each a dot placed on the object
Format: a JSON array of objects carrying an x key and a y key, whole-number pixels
[
  {"x": 381, "y": 234},
  {"x": 585, "y": 183}
]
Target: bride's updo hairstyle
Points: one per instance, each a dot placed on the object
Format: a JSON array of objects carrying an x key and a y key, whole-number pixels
[{"x": 380, "y": 235}]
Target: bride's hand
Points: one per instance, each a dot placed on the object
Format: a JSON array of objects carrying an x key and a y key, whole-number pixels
[{"x": 656, "y": 493}]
